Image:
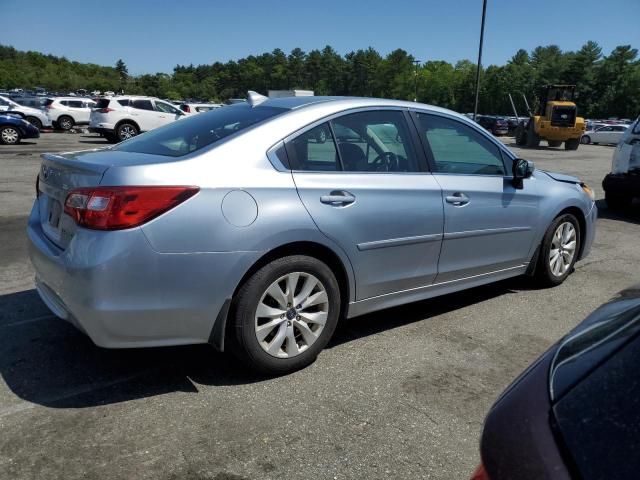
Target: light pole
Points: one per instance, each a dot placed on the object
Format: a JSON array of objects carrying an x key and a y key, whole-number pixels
[
  {"x": 415, "y": 95},
  {"x": 484, "y": 12}
]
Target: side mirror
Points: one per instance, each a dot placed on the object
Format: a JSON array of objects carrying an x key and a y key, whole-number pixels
[{"x": 521, "y": 169}]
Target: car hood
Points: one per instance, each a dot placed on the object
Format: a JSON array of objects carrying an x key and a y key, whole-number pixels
[{"x": 561, "y": 177}]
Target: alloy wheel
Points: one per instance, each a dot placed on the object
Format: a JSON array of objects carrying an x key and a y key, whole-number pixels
[
  {"x": 291, "y": 314},
  {"x": 126, "y": 132},
  {"x": 65, "y": 124},
  {"x": 10, "y": 135},
  {"x": 563, "y": 248}
]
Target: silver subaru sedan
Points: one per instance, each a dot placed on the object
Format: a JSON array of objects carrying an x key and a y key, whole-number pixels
[{"x": 257, "y": 227}]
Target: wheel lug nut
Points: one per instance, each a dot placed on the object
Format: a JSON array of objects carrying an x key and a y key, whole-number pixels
[{"x": 297, "y": 317}]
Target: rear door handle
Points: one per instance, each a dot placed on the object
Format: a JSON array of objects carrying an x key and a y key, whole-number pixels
[
  {"x": 457, "y": 199},
  {"x": 338, "y": 198}
]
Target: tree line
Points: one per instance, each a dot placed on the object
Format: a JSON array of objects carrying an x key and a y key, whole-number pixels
[{"x": 608, "y": 85}]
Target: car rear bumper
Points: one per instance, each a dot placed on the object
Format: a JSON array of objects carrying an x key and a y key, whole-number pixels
[
  {"x": 119, "y": 291},
  {"x": 622, "y": 184}
]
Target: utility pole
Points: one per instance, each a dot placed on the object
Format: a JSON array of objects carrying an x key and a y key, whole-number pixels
[
  {"x": 484, "y": 12},
  {"x": 415, "y": 95}
]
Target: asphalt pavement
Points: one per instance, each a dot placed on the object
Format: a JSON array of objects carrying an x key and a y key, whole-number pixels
[{"x": 397, "y": 394}]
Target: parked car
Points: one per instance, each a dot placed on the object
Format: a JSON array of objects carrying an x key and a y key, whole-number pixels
[
  {"x": 36, "y": 102},
  {"x": 573, "y": 414},
  {"x": 14, "y": 128},
  {"x": 606, "y": 134},
  {"x": 240, "y": 228},
  {"x": 120, "y": 118},
  {"x": 190, "y": 108},
  {"x": 622, "y": 184},
  {"x": 65, "y": 112},
  {"x": 495, "y": 125},
  {"x": 32, "y": 115}
]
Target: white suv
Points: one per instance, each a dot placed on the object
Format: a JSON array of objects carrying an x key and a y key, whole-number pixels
[
  {"x": 35, "y": 117},
  {"x": 120, "y": 118},
  {"x": 65, "y": 112}
]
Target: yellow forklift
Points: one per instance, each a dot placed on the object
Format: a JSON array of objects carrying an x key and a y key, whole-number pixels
[{"x": 555, "y": 120}]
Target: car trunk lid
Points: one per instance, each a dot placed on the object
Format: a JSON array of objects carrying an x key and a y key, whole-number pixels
[{"x": 59, "y": 174}]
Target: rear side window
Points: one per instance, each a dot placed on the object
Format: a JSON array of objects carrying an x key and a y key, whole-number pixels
[
  {"x": 125, "y": 103},
  {"x": 198, "y": 131},
  {"x": 459, "y": 149},
  {"x": 64, "y": 102},
  {"x": 48, "y": 102},
  {"x": 142, "y": 104},
  {"x": 103, "y": 103}
]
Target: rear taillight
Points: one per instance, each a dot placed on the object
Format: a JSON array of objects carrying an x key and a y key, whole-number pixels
[
  {"x": 105, "y": 110},
  {"x": 480, "y": 473},
  {"x": 117, "y": 208},
  {"x": 186, "y": 108}
]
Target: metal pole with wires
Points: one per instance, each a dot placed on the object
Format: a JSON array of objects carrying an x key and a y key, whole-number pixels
[
  {"x": 415, "y": 95},
  {"x": 484, "y": 12}
]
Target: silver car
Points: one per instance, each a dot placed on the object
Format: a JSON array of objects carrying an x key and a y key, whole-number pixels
[{"x": 257, "y": 227}]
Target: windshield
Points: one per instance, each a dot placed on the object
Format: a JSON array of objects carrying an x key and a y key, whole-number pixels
[{"x": 192, "y": 134}]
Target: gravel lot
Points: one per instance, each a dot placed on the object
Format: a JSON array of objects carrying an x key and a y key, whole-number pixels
[{"x": 398, "y": 394}]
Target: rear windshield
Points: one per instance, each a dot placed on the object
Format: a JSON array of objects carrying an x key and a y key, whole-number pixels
[
  {"x": 103, "y": 103},
  {"x": 191, "y": 134}
]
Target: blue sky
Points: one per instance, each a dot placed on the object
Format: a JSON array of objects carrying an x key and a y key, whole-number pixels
[{"x": 154, "y": 36}]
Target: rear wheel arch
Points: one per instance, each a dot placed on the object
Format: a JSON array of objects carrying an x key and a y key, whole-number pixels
[
  {"x": 310, "y": 249},
  {"x": 130, "y": 122}
]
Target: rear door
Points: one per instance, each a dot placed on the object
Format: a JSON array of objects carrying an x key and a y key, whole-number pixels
[
  {"x": 488, "y": 223},
  {"x": 366, "y": 187},
  {"x": 145, "y": 115}
]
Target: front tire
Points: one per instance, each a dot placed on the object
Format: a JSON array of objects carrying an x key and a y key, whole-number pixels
[
  {"x": 572, "y": 144},
  {"x": 585, "y": 140},
  {"x": 559, "y": 251},
  {"x": 9, "y": 135},
  {"x": 65, "y": 122},
  {"x": 285, "y": 314}
]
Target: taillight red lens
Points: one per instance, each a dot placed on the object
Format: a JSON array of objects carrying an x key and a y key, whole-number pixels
[
  {"x": 118, "y": 208},
  {"x": 186, "y": 108},
  {"x": 480, "y": 473},
  {"x": 106, "y": 110}
]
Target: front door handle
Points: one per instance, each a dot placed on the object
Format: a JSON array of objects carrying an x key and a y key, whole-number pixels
[
  {"x": 458, "y": 199},
  {"x": 338, "y": 198}
]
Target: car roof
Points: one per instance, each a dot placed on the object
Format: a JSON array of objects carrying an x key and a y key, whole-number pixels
[{"x": 295, "y": 103}]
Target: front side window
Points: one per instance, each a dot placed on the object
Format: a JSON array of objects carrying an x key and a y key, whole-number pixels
[
  {"x": 198, "y": 131},
  {"x": 166, "y": 108},
  {"x": 459, "y": 149}
]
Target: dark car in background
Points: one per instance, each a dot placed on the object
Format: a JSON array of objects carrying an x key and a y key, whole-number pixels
[
  {"x": 496, "y": 125},
  {"x": 575, "y": 412},
  {"x": 14, "y": 128}
]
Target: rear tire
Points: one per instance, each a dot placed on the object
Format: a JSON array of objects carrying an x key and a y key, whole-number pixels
[
  {"x": 559, "y": 251},
  {"x": 9, "y": 135},
  {"x": 585, "y": 140},
  {"x": 110, "y": 137},
  {"x": 65, "y": 122},
  {"x": 572, "y": 144},
  {"x": 35, "y": 122},
  {"x": 288, "y": 337},
  {"x": 554, "y": 143},
  {"x": 617, "y": 202},
  {"x": 533, "y": 139},
  {"x": 125, "y": 131}
]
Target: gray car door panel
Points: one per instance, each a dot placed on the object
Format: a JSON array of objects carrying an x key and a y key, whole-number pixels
[{"x": 489, "y": 224}]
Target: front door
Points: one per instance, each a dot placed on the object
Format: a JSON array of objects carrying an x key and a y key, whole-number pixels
[
  {"x": 145, "y": 114},
  {"x": 167, "y": 113},
  {"x": 488, "y": 223},
  {"x": 365, "y": 186}
]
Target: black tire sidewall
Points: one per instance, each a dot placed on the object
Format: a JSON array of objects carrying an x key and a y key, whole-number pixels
[
  {"x": 587, "y": 140},
  {"x": 35, "y": 122},
  {"x": 244, "y": 342},
  {"x": 544, "y": 269}
]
